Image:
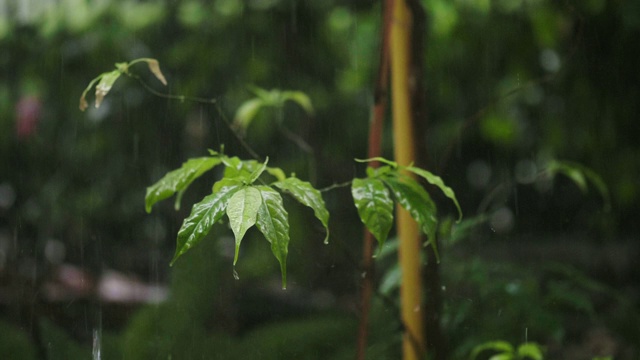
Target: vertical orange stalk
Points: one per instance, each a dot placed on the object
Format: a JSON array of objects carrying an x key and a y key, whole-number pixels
[{"x": 413, "y": 344}]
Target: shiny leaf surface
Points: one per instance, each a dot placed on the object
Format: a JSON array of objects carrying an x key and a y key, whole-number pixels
[
  {"x": 273, "y": 223},
  {"x": 178, "y": 180},
  {"x": 415, "y": 199},
  {"x": 242, "y": 211},
  {"x": 204, "y": 215},
  {"x": 307, "y": 195},
  {"x": 437, "y": 181},
  {"x": 375, "y": 206}
]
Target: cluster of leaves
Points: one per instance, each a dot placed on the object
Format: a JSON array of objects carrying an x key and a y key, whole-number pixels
[
  {"x": 502, "y": 350},
  {"x": 246, "y": 199},
  {"x": 372, "y": 197}
]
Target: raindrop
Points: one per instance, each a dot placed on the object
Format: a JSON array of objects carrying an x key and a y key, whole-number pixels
[
  {"x": 416, "y": 309},
  {"x": 97, "y": 340},
  {"x": 235, "y": 274}
]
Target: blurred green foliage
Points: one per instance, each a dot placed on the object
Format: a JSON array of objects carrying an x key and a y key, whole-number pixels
[{"x": 510, "y": 85}]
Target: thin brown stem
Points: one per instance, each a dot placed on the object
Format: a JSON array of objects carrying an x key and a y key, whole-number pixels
[{"x": 374, "y": 150}]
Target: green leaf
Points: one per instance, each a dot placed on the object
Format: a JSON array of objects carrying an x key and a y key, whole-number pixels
[
  {"x": 413, "y": 198},
  {"x": 530, "y": 350},
  {"x": 257, "y": 172},
  {"x": 307, "y": 195},
  {"x": 273, "y": 223},
  {"x": 437, "y": 181},
  {"x": 379, "y": 159},
  {"x": 105, "y": 84},
  {"x": 178, "y": 180},
  {"x": 501, "y": 347},
  {"x": 375, "y": 207},
  {"x": 242, "y": 211},
  {"x": 204, "y": 215},
  {"x": 299, "y": 98},
  {"x": 241, "y": 169},
  {"x": 246, "y": 113}
]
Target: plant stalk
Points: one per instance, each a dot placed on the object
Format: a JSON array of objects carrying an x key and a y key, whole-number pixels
[
  {"x": 412, "y": 312},
  {"x": 374, "y": 150}
]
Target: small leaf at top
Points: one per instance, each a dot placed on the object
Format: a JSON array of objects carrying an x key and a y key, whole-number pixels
[
  {"x": 204, "y": 215},
  {"x": 437, "y": 181},
  {"x": 178, "y": 180},
  {"x": 105, "y": 84},
  {"x": 273, "y": 223},
  {"x": 307, "y": 195},
  {"x": 242, "y": 211},
  {"x": 375, "y": 207},
  {"x": 415, "y": 199}
]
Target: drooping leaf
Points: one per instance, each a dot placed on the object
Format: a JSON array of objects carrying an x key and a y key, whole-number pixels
[
  {"x": 273, "y": 223},
  {"x": 204, "y": 215},
  {"x": 154, "y": 67},
  {"x": 307, "y": 195},
  {"x": 105, "y": 85},
  {"x": 246, "y": 113},
  {"x": 437, "y": 181},
  {"x": 178, "y": 180},
  {"x": 299, "y": 98},
  {"x": 83, "y": 98},
  {"x": 415, "y": 199},
  {"x": 242, "y": 211},
  {"x": 375, "y": 206}
]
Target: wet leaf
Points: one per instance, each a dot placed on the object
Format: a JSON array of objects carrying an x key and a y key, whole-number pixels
[
  {"x": 273, "y": 223},
  {"x": 105, "y": 85},
  {"x": 437, "y": 181},
  {"x": 178, "y": 180},
  {"x": 242, "y": 211},
  {"x": 415, "y": 199},
  {"x": 307, "y": 195},
  {"x": 204, "y": 215},
  {"x": 375, "y": 207}
]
